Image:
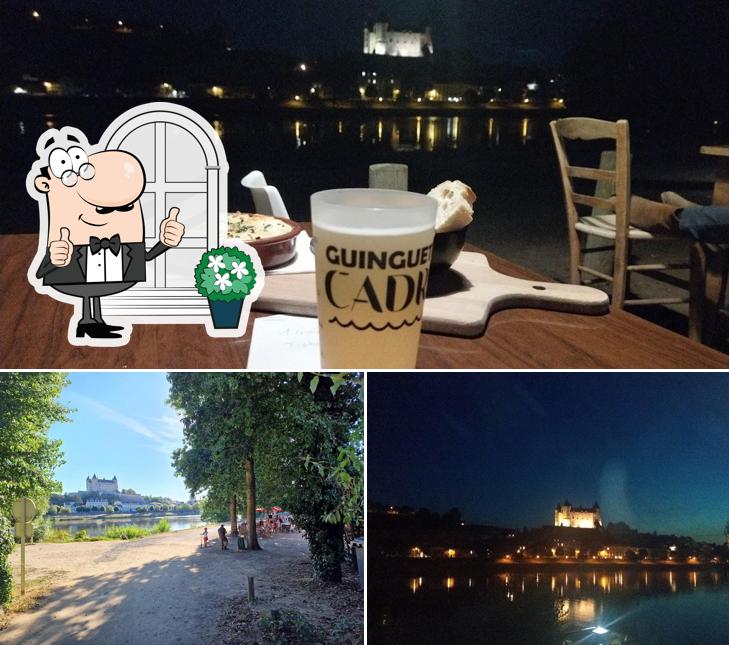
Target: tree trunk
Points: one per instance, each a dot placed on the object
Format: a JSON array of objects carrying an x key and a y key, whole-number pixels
[
  {"x": 234, "y": 514},
  {"x": 251, "y": 504}
]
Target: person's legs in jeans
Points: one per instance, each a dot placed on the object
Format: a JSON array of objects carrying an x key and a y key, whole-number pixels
[{"x": 706, "y": 223}]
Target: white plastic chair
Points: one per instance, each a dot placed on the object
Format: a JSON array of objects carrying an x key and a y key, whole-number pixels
[{"x": 266, "y": 199}]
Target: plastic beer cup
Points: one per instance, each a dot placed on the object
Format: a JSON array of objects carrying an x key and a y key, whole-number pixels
[{"x": 372, "y": 250}]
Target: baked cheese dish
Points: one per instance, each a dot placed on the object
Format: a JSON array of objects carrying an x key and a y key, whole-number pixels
[{"x": 251, "y": 226}]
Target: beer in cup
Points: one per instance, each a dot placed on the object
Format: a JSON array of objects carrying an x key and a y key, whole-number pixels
[{"x": 372, "y": 250}]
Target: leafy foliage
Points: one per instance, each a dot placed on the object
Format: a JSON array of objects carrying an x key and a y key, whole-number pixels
[
  {"x": 28, "y": 458},
  {"x": 224, "y": 274},
  {"x": 302, "y": 438},
  {"x": 7, "y": 543},
  {"x": 298, "y": 464},
  {"x": 28, "y": 407}
]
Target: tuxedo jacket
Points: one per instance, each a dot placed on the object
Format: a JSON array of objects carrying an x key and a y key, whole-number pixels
[{"x": 134, "y": 257}]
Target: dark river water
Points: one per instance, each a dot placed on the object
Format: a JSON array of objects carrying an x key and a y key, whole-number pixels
[
  {"x": 507, "y": 157},
  {"x": 647, "y": 606},
  {"x": 98, "y": 526}
]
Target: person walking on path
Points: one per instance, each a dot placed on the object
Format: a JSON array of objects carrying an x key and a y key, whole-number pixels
[
  {"x": 222, "y": 534},
  {"x": 205, "y": 537}
]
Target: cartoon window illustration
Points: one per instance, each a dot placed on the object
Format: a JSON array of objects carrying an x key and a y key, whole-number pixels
[{"x": 185, "y": 167}]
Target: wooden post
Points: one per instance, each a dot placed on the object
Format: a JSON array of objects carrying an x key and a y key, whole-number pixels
[
  {"x": 393, "y": 176},
  {"x": 251, "y": 589},
  {"x": 22, "y": 562},
  {"x": 23, "y": 514}
]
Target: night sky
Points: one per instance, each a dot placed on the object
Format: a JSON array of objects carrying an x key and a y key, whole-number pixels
[
  {"x": 519, "y": 31},
  {"x": 652, "y": 449}
]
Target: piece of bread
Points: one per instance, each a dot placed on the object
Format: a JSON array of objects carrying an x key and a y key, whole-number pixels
[{"x": 455, "y": 206}]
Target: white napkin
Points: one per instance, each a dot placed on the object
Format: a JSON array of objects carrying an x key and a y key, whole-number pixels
[
  {"x": 280, "y": 342},
  {"x": 303, "y": 261}
]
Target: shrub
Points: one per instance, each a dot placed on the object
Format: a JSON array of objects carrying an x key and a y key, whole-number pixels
[
  {"x": 126, "y": 533},
  {"x": 81, "y": 535},
  {"x": 289, "y": 626},
  {"x": 41, "y": 529},
  {"x": 7, "y": 543},
  {"x": 163, "y": 526},
  {"x": 58, "y": 535}
]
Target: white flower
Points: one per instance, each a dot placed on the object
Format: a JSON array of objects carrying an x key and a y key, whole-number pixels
[
  {"x": 223, "y": 281},
  {"x": 215, "y": 262},
  {"x": 239, "y": 269}
]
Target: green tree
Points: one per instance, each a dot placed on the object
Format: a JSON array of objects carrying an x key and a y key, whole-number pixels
[
  {"x": 293, "y": 432},
  {"x": 311, "y": 465},
  {"x": 223, "y": 414},
  {"x": 28, "y": 458},
  {"x": 7, "y": 542}
]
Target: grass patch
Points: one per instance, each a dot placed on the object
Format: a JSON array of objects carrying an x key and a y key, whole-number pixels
[
  {"x": 36, "y": 589},
  {"x": 126, "y": 533},
  {"x": 113, "y": 533},
  {"x": 135, "y": 532}
]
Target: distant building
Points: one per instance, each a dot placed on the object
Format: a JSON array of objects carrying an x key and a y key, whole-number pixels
[
  {"x": 96, "y": 501},
  {"x": 96, "y": 485},
  {"x": 383, "y": 40},
  {"x": 575, "y": 517}
]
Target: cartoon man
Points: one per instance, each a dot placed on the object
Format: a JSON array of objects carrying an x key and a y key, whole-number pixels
[{"x": 95, "y": 229}]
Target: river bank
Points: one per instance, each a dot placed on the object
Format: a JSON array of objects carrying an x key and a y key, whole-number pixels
[
  {"x": 423, "y": 566},
  {"x": 98, "y": 525},
  {"x": 166, "y": 589}
]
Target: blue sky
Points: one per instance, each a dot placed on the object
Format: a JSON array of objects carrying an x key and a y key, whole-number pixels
[
  {"x": 651, "y": 448},
  {"x": 122, "y": 426}
]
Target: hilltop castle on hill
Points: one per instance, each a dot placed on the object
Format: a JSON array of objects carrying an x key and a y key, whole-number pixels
[
  {"x": 97, "y": 485},
  {"x": 384, "y": 40},
  {"x": 575, "y": 517}
]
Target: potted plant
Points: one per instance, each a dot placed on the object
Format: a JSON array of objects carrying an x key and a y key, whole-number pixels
[{"x": 225, "y": 276}]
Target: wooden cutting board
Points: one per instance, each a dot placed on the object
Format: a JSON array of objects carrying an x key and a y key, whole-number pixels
[{"x": 459, "y": 303}]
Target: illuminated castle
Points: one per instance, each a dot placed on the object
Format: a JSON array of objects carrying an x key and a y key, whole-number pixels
[
  {"x": 96, "y": 485},
  {"x": 579, "y": 518},
  {"x": 384, "y": 40}
]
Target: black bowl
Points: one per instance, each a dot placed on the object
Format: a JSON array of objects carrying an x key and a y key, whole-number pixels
[{"x": 446, "y": 249}]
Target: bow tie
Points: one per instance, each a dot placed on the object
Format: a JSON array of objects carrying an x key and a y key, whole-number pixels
[{"x": 96, "y": 244}]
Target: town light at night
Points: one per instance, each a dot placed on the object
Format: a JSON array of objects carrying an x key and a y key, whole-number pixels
[{"x": 302, "y": 67}]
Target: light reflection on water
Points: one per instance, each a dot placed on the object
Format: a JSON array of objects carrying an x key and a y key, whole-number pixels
[
  {"x": 407, "y": 133},
  {"x": 581, "y": 597}
]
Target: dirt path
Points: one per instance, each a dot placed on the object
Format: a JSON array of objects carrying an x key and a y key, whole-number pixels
[{"x": 162, "y": 589}]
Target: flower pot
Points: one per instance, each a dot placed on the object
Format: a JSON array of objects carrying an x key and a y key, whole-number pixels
[{"x": 225, "y": 315}]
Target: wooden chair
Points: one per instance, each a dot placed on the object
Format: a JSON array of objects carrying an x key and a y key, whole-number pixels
[{"x": 610, "y": 216}]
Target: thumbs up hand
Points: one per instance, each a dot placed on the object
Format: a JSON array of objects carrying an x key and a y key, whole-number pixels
[
  {"x": 171, "y": 231},
  {"x": 61, "y": 250}
]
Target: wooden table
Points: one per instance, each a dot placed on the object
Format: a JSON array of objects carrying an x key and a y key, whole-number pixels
[
  {"x": 710, "y": 264},
  {"x": 33, "y": 335}
]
